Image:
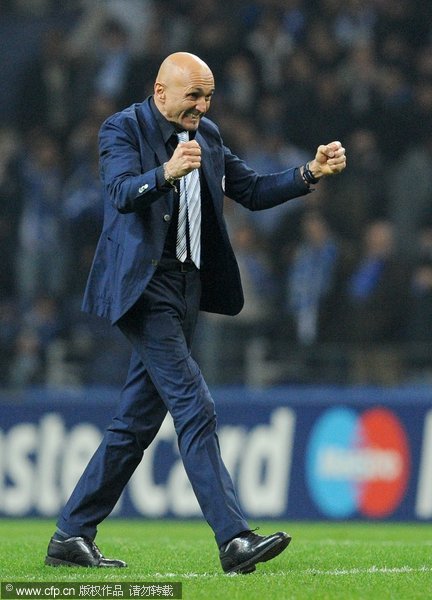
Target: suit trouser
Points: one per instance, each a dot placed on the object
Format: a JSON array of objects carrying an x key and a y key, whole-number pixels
[{"x": 162, "y": 377}]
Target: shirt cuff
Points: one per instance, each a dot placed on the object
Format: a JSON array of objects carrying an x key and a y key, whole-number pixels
[{"x": 161, "y": 184}]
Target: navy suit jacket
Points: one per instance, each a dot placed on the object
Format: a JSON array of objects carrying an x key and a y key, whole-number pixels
[{"x": 138, "y": 215}]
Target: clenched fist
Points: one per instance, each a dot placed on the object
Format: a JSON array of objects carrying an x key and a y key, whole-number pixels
[
  {"x": 329, "y": 159},
  {"x": 186, "y": 158}
]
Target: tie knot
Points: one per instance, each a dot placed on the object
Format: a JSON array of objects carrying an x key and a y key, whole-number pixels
[{"x": 183, "y": 136}]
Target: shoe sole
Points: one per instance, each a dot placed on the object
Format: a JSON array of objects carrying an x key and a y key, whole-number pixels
[
  {"x": 58, "y": 562},
  {"x": 249, "y": 565}
]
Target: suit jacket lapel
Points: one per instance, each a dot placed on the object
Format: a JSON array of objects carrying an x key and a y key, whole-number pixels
[
  {"x": 151, "y": 131},
  {"x": 205, "y": 156},
  {"x": 209, "y": 171}
]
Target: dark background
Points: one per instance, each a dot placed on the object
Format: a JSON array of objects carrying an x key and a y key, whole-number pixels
[{"x": 338, "y": 286}]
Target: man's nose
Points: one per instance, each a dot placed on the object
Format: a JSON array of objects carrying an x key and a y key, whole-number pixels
[{"x": 201, "y": 105}]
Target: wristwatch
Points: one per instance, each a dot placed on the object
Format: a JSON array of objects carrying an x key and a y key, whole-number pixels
[{"x": 308, "y": 176}]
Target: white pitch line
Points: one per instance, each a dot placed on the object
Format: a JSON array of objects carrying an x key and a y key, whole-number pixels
[
  {"x": 374, "y": 570},
  {"x": 370, "y": 571},
  {"x": 363, "y": 543}
]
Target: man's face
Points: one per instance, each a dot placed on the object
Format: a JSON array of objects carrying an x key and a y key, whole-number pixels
[{"x": 186, "y": 98}]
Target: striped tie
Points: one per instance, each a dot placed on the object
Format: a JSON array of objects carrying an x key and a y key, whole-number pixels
[{"x": 189, "y": 219}]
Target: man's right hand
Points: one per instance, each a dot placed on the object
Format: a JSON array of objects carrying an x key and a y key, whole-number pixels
[{"x": 186, "y": 158}]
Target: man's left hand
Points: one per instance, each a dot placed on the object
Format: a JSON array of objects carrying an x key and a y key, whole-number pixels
[{"x": 329, "y": 159}]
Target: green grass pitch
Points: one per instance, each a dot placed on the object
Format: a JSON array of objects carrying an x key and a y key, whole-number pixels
[{"x": 324, "y": 561}]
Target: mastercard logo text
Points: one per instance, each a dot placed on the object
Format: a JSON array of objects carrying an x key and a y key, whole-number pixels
[{"x": 358, "y": 463}]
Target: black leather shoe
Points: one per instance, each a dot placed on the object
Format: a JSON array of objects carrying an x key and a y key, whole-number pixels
[
  {"x": 78, "y": 552},
  {"x": 242, "y": 553}
]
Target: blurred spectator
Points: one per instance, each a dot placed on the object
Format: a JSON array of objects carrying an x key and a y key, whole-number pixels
[
  {"x": 83, "y": 213},
  {"x": 112, "y": 61},
  {"x": 42, "y": 248},
  {"x": 9, "y": 329},
  {"x": 424, "y": 242},
  {"x": 50, "y": 107},
  {"x": 392, "y": 117},
  {"x": 419, "y": 320},
  {"x": 408, "y": 18},
  {"x": 44, "y": 318},
  {"x": 320, "y": 43},
  {"x": 409, "y": 190},
  {"x": 102, "y": 70},
  {"x": 358, "y": 76},
  {"x": 82, "y": 142},
  {"x": 376, "y": 307},
  {"x": 215, "y": 41},
  {"x": 271, "y": 45},
  {"x": 354, "y": 22},
  {"x": 27, "y": 365},
  {"x": 423, "y": 63},
  {"x": 419, "y": 327},
  {"x": 310, "y": 281},
  {"x": 239, "y": 83},
  {"x": 99, "y": 108},
  {"x": 359, "y": 195},
  {"x": 223, "y": 341},
  {"x": 420, "y": 118},
  {"x": 256, "y": 273},
  {"x": 133, "y": 16},
  {"x": 41, "y": 326},
  {"x": 328, "y": 113},
  {"x": 139, "y": 79},
  {"x": 294, "y": 18},
  {"x": 299, "y": 73},
  {"x": 95, "y": 353},
  {"x": 10, "y": 210}
]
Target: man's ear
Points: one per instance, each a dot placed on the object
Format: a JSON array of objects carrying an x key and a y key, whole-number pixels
[{"x": 159, "y": 90}]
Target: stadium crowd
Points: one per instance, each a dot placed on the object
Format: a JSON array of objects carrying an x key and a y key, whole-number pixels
[{"x": 338, "y": 286}]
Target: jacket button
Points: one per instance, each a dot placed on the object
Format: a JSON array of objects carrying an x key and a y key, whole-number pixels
[{"x": 167, "y": 218}]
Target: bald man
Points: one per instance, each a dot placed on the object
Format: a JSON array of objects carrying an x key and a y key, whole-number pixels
[{"x": 163, "y": 255}]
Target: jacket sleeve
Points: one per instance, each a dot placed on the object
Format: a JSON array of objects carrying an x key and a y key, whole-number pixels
[
  {"x": 121, "y": 169},
  {"x": 258, "y": 192}
]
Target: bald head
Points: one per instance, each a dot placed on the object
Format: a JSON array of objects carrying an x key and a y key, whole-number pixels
[
  {"x": 182, "y": 64},
  {"x": 183, "y": 89}
]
